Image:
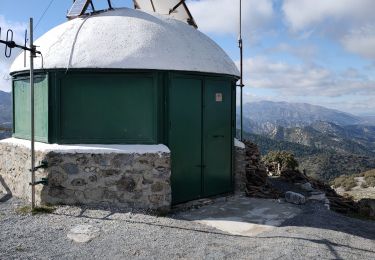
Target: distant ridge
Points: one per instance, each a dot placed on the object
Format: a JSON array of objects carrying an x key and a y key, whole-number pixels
[
  {"x": 296, "y": 114},
  {"x": 5, "y": 109}
]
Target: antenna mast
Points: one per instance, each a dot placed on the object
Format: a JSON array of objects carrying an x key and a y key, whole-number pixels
[
  {"x": 240, "y": 45},
  {"x": 9, "y": 45}
]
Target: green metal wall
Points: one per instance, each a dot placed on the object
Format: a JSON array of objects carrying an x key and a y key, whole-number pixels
[
  {"x": 108, "y": 108},
  {"x": 102, "y": 106},
  {"x": 21, "y": 108}
]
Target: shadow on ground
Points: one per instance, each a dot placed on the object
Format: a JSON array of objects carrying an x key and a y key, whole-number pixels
[{"x": 8, "y": 195}]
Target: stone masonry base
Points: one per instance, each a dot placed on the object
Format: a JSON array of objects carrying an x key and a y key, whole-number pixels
[{"x": 126, "y": 176}]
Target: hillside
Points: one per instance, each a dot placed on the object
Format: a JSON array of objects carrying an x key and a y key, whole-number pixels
[
  {"x": 359, "y": 186},
  {"x": 353, "y": 139},
  {"x": 327, "y": 142},
  {"x": 319, "y": 163}
]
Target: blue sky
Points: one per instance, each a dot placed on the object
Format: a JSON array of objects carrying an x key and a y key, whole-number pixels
[{"x": 315, "y": 51}]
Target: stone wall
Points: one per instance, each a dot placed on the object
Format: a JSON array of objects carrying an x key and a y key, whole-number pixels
[
  {"x": 239, "y": 167},
  {"x": 110, "y": 177}
]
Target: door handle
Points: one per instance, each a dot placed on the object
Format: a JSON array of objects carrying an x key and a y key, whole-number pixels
[
  {"x": 218, "y": 136},
  {"x": 200, "y": 166}
]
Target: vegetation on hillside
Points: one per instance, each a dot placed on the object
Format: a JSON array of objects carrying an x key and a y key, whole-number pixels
[
  {"x": 369, "y": 178},
  {"x": 320, "y": 164},
  {"x": 346, "y": 182},
  {"x": 349, "y": 182},
  {"x": 285, "y": 159}
]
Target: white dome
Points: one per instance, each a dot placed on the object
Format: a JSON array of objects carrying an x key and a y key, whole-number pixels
[{"x": 129, "y": 39}]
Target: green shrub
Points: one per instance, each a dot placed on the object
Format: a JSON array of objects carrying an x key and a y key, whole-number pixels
[
  {"x": 370, "y": 178},
  {"x": 284, "y": 158}
]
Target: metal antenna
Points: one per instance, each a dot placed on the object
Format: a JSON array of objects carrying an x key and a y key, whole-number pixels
[
  {"x": 240, "y": 45},
  {"x": 32, "y": 56},
  {"x": 9, "y": 45}
]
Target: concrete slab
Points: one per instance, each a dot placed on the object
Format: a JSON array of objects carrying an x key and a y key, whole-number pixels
[{"x": 240, "y": 215}]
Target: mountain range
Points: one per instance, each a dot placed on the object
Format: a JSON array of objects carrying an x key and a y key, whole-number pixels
[
  {"x": 327, "y": 142},
  {"x": 264, "y": 116}
]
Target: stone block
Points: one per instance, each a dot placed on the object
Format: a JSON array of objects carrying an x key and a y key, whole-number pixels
[{"x": 295, "y": 198}]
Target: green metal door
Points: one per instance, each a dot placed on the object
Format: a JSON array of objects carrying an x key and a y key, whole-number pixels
[
  {"x": 21, "y": 93},
  {"x": 185, "y": 135},
  {"x": 217, "y": 138}
]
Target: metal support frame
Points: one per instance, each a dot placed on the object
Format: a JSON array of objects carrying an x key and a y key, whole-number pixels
[
  {"x": 240, "y": 45},
  {"x": 176, "y": 6}
]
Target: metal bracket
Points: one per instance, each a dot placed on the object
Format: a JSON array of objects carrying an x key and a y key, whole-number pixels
[
  {"x": 43, "y": 165},
  {"x": 43, "y": 181}
]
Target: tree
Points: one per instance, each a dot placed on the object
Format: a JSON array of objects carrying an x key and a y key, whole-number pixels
[{"x": 285, "y": 159}]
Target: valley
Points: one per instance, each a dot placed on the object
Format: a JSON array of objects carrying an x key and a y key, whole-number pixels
[{"x": 327, "y": 143}]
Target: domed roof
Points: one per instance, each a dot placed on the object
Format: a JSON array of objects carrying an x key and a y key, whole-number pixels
[{"x": 129, "y": 39}]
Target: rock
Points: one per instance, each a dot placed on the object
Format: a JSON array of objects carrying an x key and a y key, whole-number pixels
[
  {"x": 295, "y": 198},
  {"x": 83, "y": 233},
  {"x": 93, "y": 178},
  {"x": 319, "y": 197},
  {"x": 126, "y": 184},
  {"x": 157, "y": 187},
  {"x": 110, "y": 172},
  {"x": 155, "y": 198},
  {"x": 367, "y": 207},
  {"x": 95, "y": 194},
  {"x": 70, "y": 168},
  {"x": 307, "y": 186},
  {"x": 78, "y": 182}
]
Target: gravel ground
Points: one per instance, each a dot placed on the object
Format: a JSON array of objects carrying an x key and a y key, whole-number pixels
[{"x": 316, "y": 233}]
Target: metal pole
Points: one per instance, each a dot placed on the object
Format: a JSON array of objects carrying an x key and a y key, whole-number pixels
[
  {"x": 240, "y": 43},
  {"x": 32, "y": 54}
]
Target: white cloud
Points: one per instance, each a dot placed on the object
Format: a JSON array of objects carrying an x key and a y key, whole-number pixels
[
  {"x": 19, "y": 31},
  {"x": 361, "y": 41},
  {"x": 301, "y": 14},
  {"x": 350, "y": 22},
  {"x": 305, "y": 80},
  {"x": 306, "y": 51},
  {"x": 222, "y": 16}
]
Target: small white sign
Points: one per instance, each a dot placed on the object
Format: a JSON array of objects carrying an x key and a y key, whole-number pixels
[{"x": 219, "y": 97}]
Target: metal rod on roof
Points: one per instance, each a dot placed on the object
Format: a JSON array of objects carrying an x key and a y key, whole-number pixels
[
  {"x": 240, "y": 45},
  {"x": 109, "y": 4},
  {"x": 92, "y": 6},
  {"x": 176, "y": 6},
  {"x": 153, "y": 6}
]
